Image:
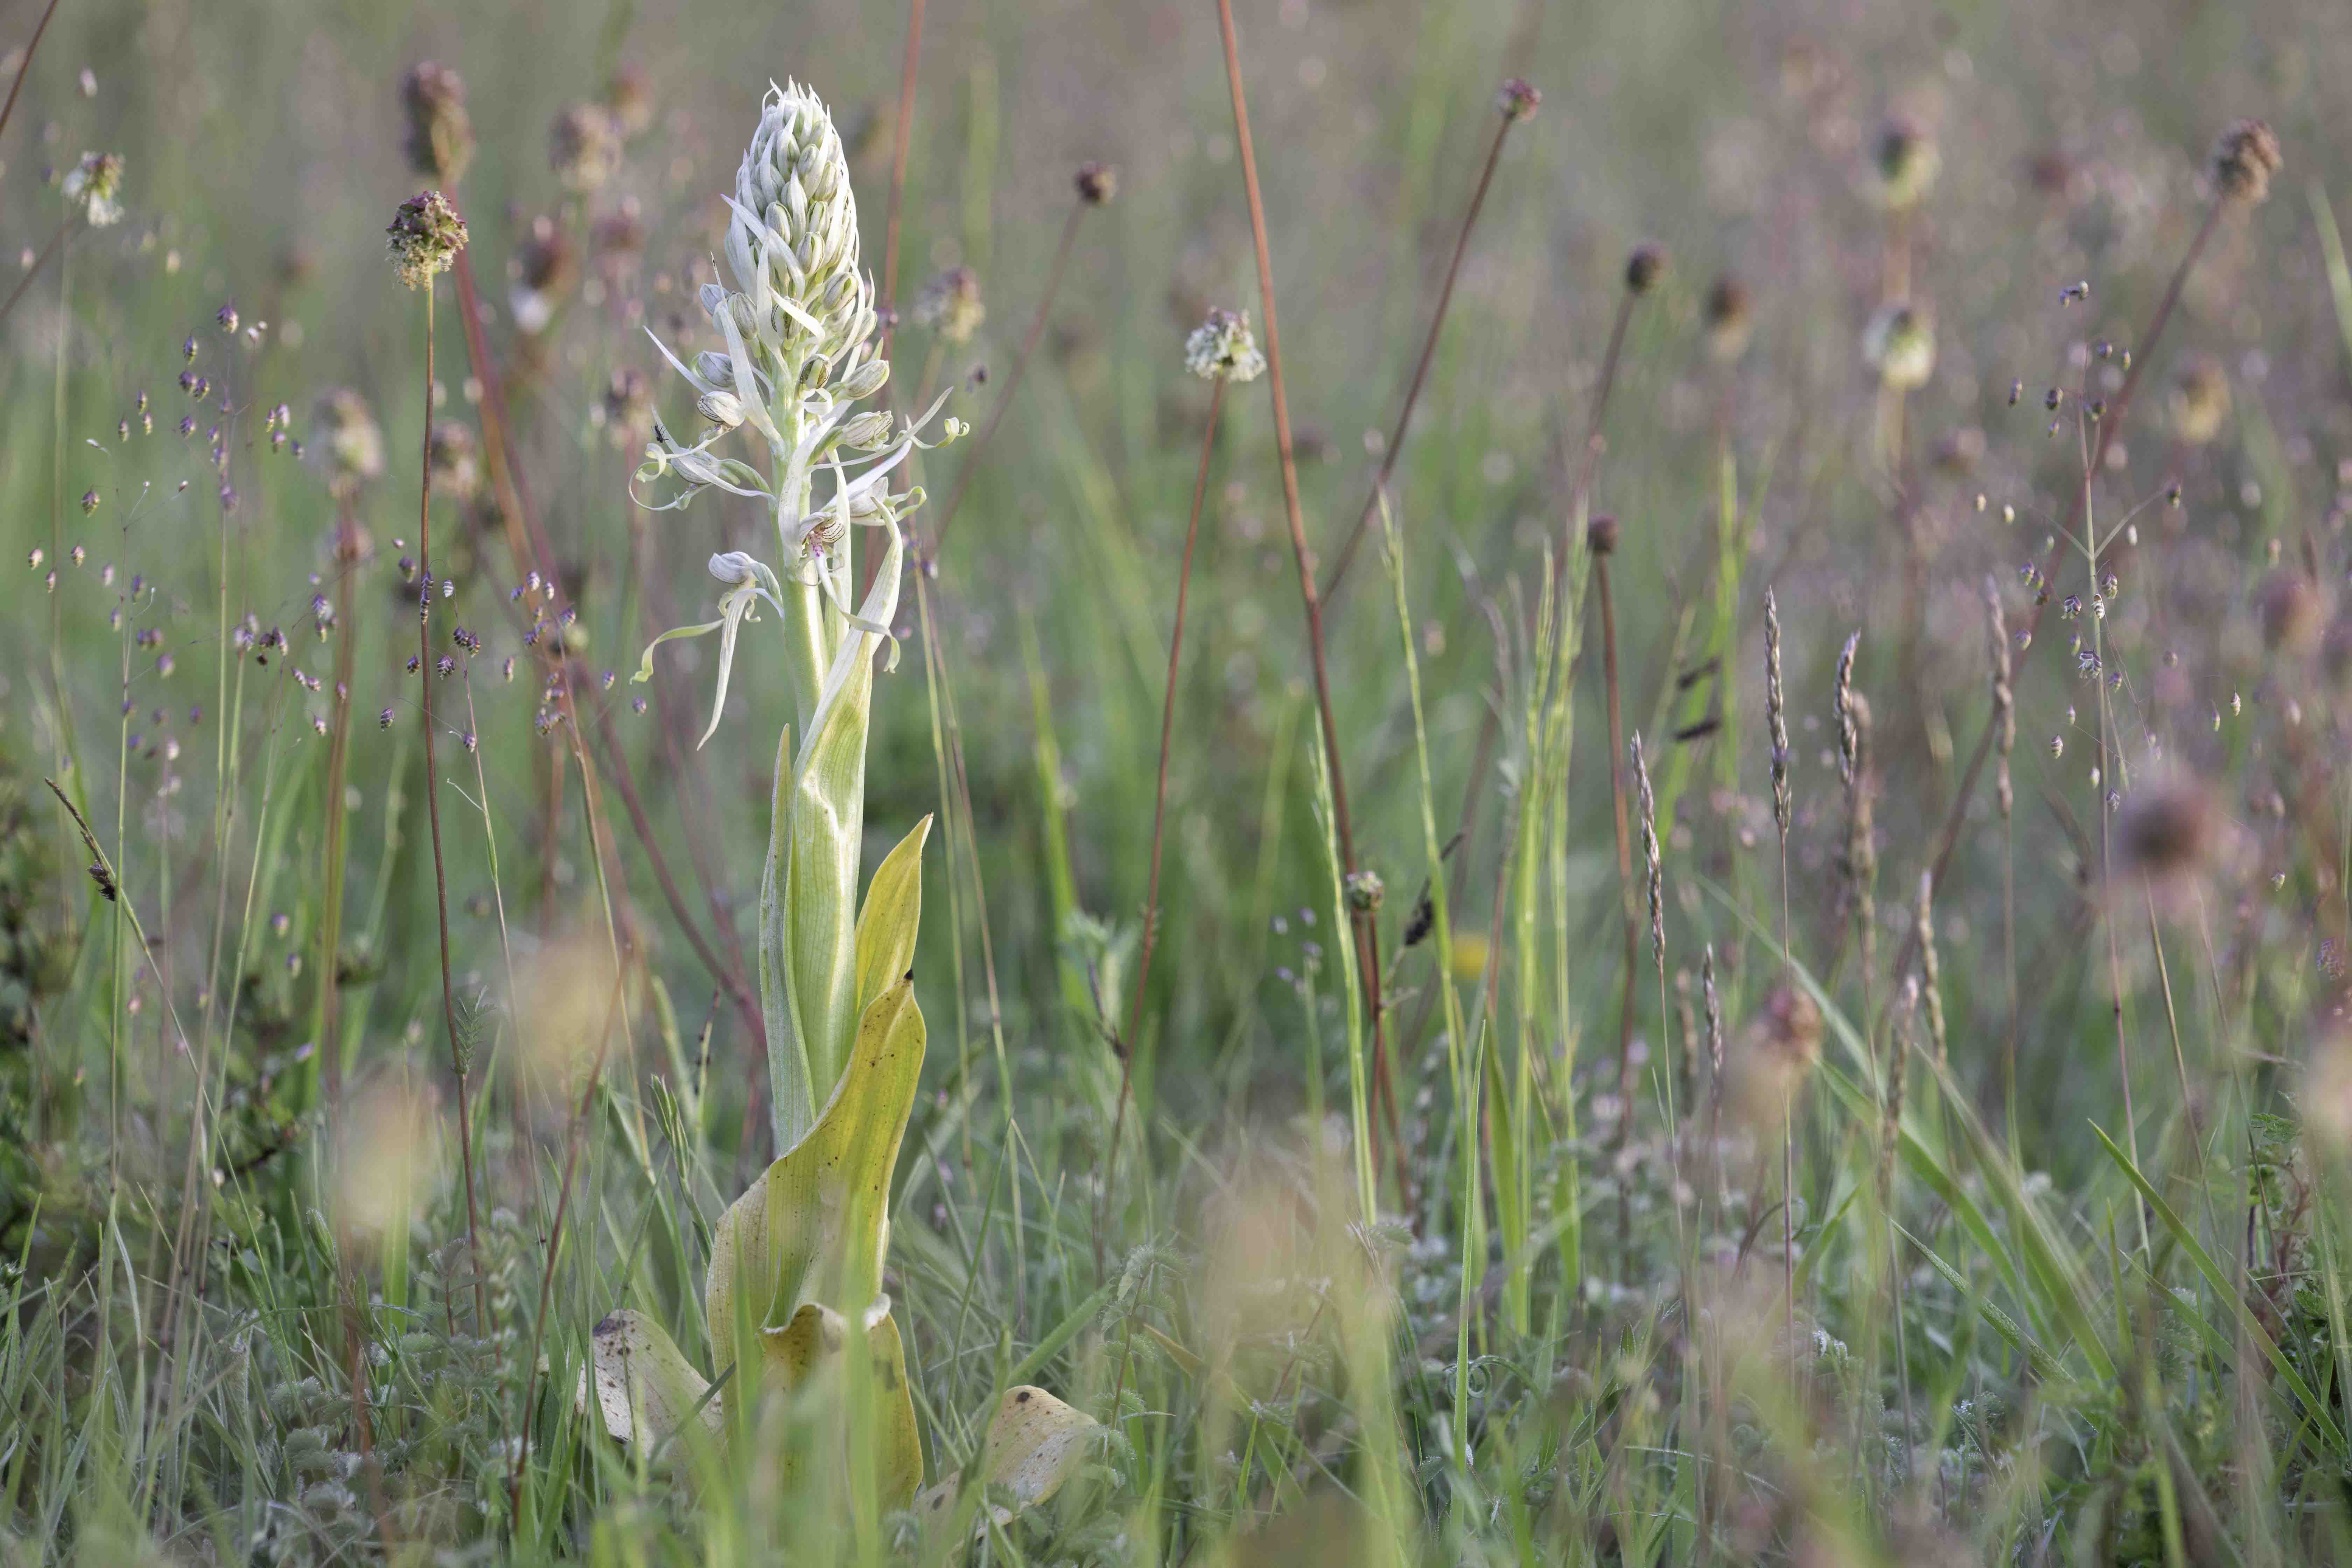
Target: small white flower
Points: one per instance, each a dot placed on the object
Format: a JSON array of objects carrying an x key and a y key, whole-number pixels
[{"x": 92, "y": 185}]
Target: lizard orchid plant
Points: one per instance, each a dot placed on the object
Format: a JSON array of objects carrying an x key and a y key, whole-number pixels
[{"x": 795, "y": 1284}]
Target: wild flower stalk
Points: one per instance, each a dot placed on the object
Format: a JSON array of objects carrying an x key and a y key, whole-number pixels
[
  {"x": 1218, "y": 350},
  {"x": 1516, "y": 100},
  {"x": 1094, "y": 185},
  {"x": 1364, "y": 898},
  {"x": 426, "y": 236}
]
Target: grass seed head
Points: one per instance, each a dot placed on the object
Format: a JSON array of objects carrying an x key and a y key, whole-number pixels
[
  {"x": 1904, "y": 162},
  {"x": 1516, "y": 99}
]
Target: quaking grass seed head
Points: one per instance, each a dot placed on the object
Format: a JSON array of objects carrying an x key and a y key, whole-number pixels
[{"x": 425, "y": 237}]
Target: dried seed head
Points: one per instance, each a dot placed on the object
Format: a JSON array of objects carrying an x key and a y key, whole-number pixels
[
  {"x": 1958, "y": 452},
  {"x": 2167, "y": 830},
  {"x": 1904, "y": 163},
  {"x": 1714, "y": 1004},
  {"x": 2245, "y": 156},
  {"x": 455, "y": 458},
  {"x": 94, "y": 185},
  {"x": 440, "y": 142},
  {"x": 545, "y": 266},
  {"x": 1222, "y": 349},
  {"x": 629, "y": 99},
  {"x": 1602, "y": 534},
  {"x": 628, "y": 406},
  {"x": 1841, "y": 700},
  {"x": 1900, "y": 345},
  {"x": 1644, "y": 265},
  {"x": 1097, "y": 183},
  {"x": 355, "y": 444},
  {"x": 426, "y": 236},
  {"x": 1729, "y": 318},
  {"x": 1365, "y": 891},
  {"x": 2292, "y": 612},
  {"x": 950, "y": 305},
  {"x": 2199, "y": 400},
  {"x": 583, "y": 146},
  {"x": 1516, "y": 99}
]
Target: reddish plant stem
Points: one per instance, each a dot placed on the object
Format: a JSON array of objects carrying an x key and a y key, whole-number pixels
[
  {"x": 1367, "y": 945},
  {"x": 17, "y": 86},
  {"x": 1421, "y": 366},
  {"x": 425, "y": 677},
  {"x": 899, "y": 171},
  {"x": 1158, "y": 810},
  {"x": 1011, "y": 383},
  {"x": 738, "y": 989}
]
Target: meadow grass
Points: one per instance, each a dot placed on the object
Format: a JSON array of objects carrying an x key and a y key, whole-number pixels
[{"x": 1680, "y": 896}]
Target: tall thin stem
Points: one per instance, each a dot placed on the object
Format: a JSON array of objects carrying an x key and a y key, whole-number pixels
[
  {"x": 1367, "y": 946},
  {"x": 17, "y": 86},
  {"x": 425, "y": 678},
  {"x": 1421, "y": 366},
  {"x": 1012, "y": 383},
  {"x": 905, "y": 133},
  {"x": 1159, "y": 801}
]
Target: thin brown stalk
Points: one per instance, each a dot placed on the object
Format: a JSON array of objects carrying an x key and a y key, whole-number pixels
[
  {"x": 1631, "y": 919},
  {"x": 1367, "y": 946},
  {"x": 1421, "y": 366},
  {"x": 1029, "y": 341},
  {"x": 572, "y": 1142},
  {"x": 730, "y": 980},
  {"x": 905, "y": 131},
  {"x": 26, "y": 65},
  {"x": 34, "y": 271},
  {"x": 1159, "y": 808},
  {"x": 2111, "y": 425},
  {"x": 425, "y": 678}
]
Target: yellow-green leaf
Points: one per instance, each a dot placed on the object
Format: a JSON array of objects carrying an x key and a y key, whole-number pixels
[
  {"x": 816, "y": 1225},
  {"x": 1035, "y": 1442},
  {"x": 646, "y": 1388},
  {"x": 894, "y": 908}
]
